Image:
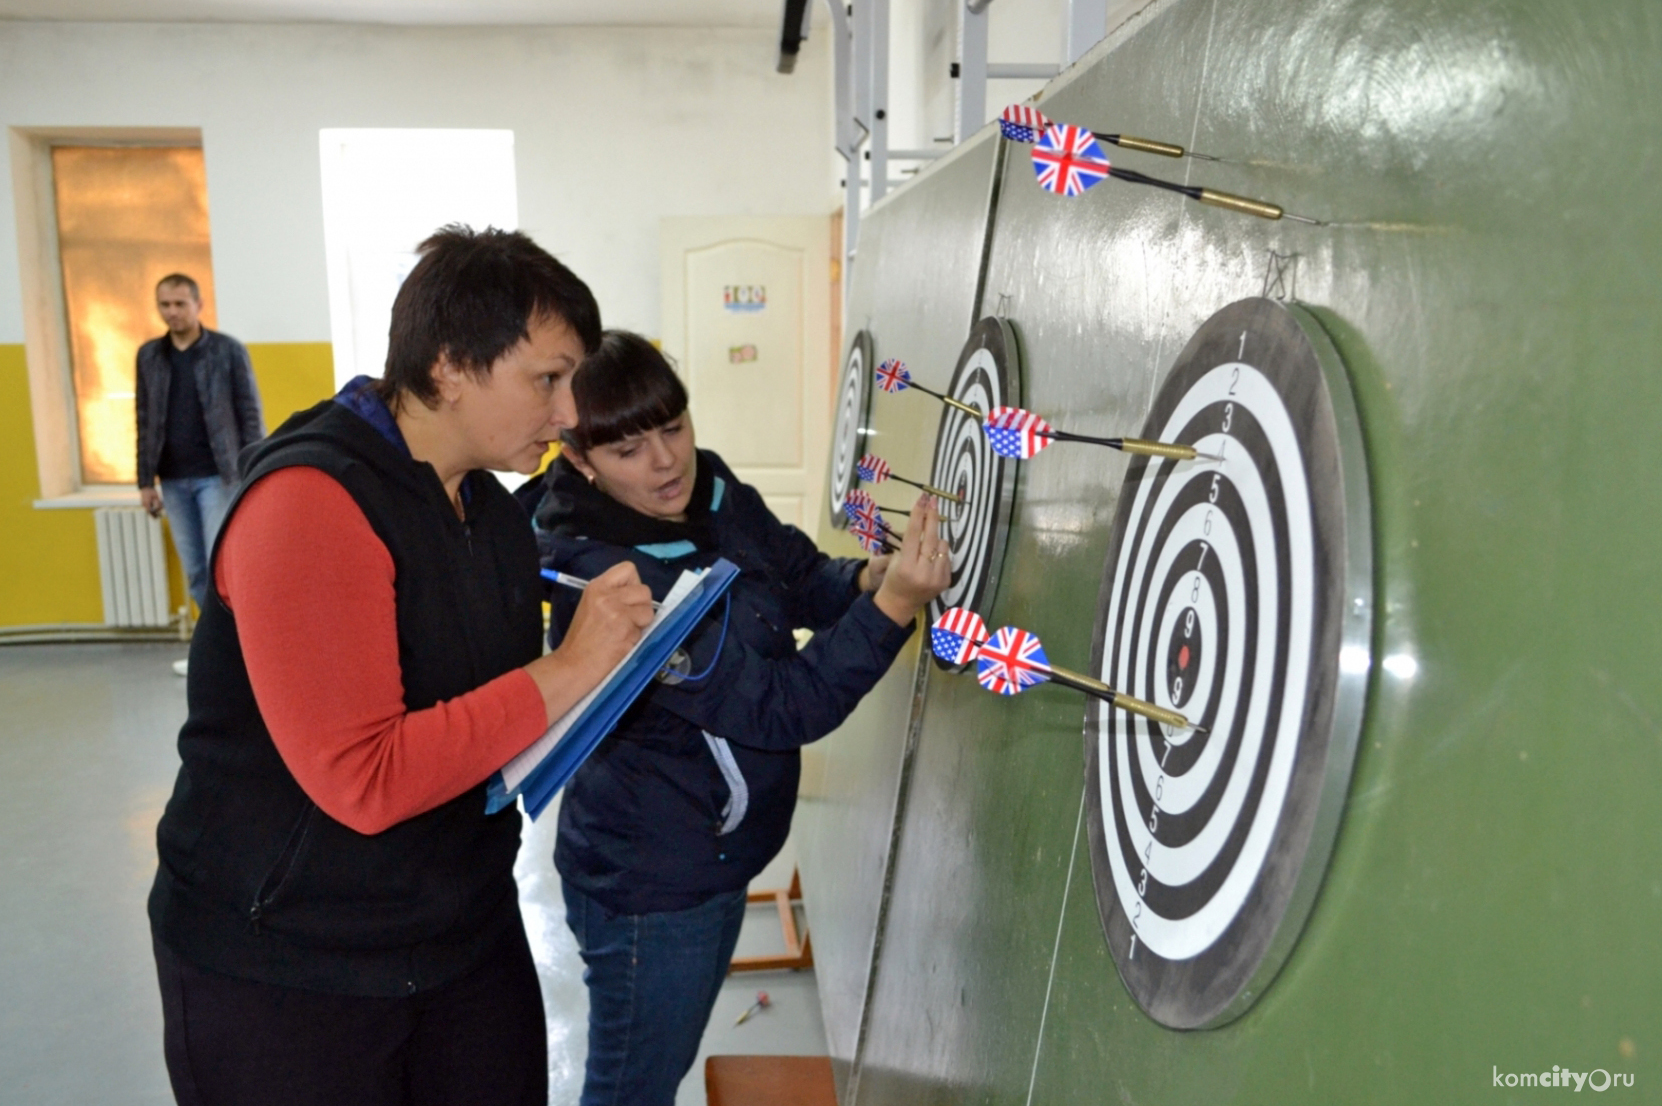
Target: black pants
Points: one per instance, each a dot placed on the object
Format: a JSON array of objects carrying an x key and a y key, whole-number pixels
[{"x": 482, "y": 1038}]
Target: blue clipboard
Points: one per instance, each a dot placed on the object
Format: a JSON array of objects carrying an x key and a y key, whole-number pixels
[{"x": 621, "y": 689}]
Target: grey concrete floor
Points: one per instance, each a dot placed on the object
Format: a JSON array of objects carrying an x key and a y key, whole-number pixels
[{"x": 86, "y": 763}]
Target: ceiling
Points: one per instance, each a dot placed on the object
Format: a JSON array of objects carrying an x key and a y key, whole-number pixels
[{"x": 645, "y": 13}]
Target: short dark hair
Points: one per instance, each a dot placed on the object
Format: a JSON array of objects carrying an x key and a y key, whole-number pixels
[
  {"x": 181, "y": 278},
  {"x": 472, "y": 297},
  {"x": 624, "y": 387}
]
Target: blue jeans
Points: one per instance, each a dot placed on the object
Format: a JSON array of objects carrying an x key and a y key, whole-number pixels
[
  {"x": 652, "y": 980},
  {"x": 195, "y": 508}
]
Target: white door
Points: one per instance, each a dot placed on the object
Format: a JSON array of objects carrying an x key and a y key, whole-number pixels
[{"x": 747, "y": 306}]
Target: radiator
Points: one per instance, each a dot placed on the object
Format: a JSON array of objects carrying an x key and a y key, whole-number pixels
[{"x": 132, "y": 567}]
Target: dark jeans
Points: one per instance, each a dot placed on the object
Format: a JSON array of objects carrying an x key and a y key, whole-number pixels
[
  {"x": 482, "y": 1038},
  {"x": 652, "y": 979}
]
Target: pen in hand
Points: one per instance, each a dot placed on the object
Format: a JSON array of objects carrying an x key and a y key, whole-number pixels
[{"x": 576, "y": 583}]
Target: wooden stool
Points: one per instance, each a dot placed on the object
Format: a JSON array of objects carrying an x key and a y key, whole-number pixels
[
  {"x": 769, "y": 1081},
  {"x": 798, "y": 954}
]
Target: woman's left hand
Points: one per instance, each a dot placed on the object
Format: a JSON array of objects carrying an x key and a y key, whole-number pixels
[
  {"x": 920, "y": 571},
  {"x": 871, "y": 576}
]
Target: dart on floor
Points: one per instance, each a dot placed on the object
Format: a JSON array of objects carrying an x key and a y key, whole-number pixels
[
  {"x": 894, "y": 376},
  {"x": 1014, "y": 432},
  {"x": 762, "y": 1003},
  {"x": 875, "y": 470},
  {"x": 1020, "y": 123},
  {"x": 1068, "y": 161},
  {"x": 1013, "y": 660}
]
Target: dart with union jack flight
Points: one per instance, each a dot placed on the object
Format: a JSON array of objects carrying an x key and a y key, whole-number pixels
[
  {"x": 862, "y": 511},
  {"x": 1014, "y": 432},
  {"x": 1013, "y": 660},
  {"x": 1068, "y": 160},
  {"x": 867, "y": 524},
  {"x": 1020, "y": 123},
  {"x": 875, "y": 470},
  {"x": 894, "y": 376}
]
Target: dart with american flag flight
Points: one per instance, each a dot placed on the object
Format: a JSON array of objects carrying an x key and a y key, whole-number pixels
[
  {"x": 1068, "y": 161},
  {"x": 862, "y": 499},
  {"x": 1014, "y": 432},
  {"x": 1013, "y": 660},
  {"x": 875, "y": 470},
  {"x": 894, "y": 376},
  {"x": 1020, "y": 123}
]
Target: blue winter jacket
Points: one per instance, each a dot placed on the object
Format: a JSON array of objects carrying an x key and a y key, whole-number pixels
[{"x": 693, "y": 793}]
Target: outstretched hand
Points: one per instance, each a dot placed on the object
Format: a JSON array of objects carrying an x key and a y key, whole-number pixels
[{"x": 921, "y": 570}]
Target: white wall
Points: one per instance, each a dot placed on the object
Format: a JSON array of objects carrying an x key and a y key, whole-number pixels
[{"x": 614, "y": 129}]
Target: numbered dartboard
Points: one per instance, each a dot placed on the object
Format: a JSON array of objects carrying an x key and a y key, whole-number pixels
[
  {"x": 848, "y": 435},
  {"x": 988, "y": 375},
  {"x": 1238, "y": 592}
]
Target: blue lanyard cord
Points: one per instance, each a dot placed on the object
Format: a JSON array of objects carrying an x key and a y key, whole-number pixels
[{"x": 726, "y": 610}]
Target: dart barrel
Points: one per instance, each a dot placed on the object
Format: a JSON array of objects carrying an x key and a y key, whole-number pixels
[
  {"x": 1129, "y": 703},
  {"x": 1158, "y": 449},
  {"x": 939, "y": 493},
  {"x": 1231, "y": 202},
  {"x": 1147, "y": 146},
  {"x": 1150, "y": 711}
]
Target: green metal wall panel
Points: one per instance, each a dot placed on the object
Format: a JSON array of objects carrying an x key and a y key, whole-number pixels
[{"x": 1493, "y": 281}]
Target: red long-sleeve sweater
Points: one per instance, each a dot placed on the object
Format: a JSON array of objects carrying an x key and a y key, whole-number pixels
[{"x": 312, "y": 589}]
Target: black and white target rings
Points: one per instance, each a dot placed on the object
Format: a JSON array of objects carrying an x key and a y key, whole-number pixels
[
  {"x": 1240, "y": 593},
  {"x": 988, "y": 375},
  {"x": 848, "y": 435}
]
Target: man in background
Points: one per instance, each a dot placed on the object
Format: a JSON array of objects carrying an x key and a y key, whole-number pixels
[{"x": 197, "y": 407}]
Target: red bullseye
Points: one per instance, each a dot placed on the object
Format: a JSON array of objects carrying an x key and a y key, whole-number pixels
[{"x": 1183, "y": 658}]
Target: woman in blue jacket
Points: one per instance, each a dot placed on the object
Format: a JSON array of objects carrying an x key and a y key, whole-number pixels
[{"x": 663, "y": 828}]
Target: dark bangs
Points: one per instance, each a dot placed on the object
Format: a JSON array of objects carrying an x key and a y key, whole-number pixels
[{"x": 624, "y": 387}]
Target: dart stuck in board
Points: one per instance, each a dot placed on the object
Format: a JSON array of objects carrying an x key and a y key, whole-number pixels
[
  {"x": 875, "y": 470},
  {"x": 1068, "y": 161},
  {"x": 1020, "y": 123},
  {"x": 894, "y": 376},
  {"x": 1013, "y": 660},
  {"x": 1013, "y": 432}
]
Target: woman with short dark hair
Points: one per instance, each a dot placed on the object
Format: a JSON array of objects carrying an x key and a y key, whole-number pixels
[
  {"x": 664, "y": 826},
  {"x": 335, "y": 917}
]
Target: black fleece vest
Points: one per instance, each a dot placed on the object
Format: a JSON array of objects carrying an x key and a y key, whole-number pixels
[{"x": 255, "y": 881}]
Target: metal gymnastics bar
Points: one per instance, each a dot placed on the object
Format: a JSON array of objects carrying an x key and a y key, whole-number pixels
[{"x": 860, "y": 56}]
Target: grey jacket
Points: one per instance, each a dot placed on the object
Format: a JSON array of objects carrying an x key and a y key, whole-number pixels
[{"x": 225, "y": 385}]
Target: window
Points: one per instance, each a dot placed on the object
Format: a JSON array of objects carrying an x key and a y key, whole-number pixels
[
  {"x": 384, "y": 191},
  {"x": 126, "y": 217},
  {"x": 102, "y": 213}
]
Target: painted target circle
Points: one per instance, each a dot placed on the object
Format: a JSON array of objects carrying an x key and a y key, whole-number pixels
[
  {"x": 988, "y": 375},
  {"x": 848, "y": 435},
  {"x": 1238, "y": 592}
]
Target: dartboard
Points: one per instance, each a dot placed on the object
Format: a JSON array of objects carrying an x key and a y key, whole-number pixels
[
  {"x": 1237, "y": 591},
  {"x": 848, "y": 436},
  {"x": 988, "y": 375}
]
